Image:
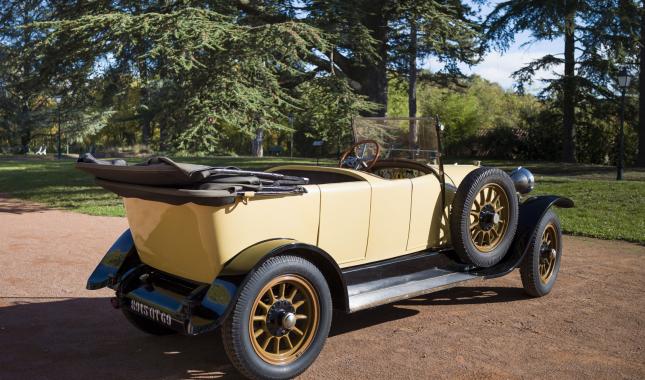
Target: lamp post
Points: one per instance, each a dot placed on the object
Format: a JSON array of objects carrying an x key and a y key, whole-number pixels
[
  {"x": 58, "y": 98},
  {"x": 623, "y": 82}
]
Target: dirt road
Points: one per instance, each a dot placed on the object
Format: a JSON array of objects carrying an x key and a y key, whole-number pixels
[{"x": 591, "y": 326}]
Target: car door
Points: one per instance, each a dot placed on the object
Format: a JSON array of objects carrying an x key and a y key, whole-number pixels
[
  {"x": 389, "y": 219},
  {"x": 344, "y": 220},
  {"x": 427, "y": 226}
]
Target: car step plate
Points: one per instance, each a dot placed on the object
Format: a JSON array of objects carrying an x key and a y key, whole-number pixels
[{"x": 380, "y": 292}]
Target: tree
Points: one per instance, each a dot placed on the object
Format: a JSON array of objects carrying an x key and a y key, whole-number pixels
[
  {"x": 204, "y": 68},
  {"x": 546, "y": 20},
  {"x": 370, "y": 37},
  {"x": 640, "y": 161},
  {"x": 25, "y": 100},
  {"x": 432, "y": 28}
]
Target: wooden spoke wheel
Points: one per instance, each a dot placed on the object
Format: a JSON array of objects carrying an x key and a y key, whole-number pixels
[
  {"x": 280, "y": 319},
  {"x": 548, "y": 253},
  {"x": 483, "y": 217},
  {"x": 489, "y": 217},
  {"x": 284, "y": 319}
]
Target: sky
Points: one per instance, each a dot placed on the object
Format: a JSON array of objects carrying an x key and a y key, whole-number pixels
[{"x": 498, "y": 66}]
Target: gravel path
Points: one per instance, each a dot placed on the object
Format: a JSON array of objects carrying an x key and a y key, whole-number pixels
[{"x": 591, "y": 326}]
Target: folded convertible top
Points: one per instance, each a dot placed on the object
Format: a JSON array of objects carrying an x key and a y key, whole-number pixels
[{"x": 162, "y": 179}]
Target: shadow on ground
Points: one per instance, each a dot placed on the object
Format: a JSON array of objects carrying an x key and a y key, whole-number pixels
[{"x": 86, "y": 338}]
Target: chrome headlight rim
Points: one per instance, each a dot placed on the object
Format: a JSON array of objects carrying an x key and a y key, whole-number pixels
[{"x": 523, "y": 180}]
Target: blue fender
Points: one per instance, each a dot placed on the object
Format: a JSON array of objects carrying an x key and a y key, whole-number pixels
[
  {"x": 120, "y": 257},
  {"x": 531, "y": 212}
]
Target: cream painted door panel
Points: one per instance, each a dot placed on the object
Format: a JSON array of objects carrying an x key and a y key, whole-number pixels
[
  {"x": 389, "y": 219},
  {"x": 427, "y": 229},
  {"x": 344, "y": 220}
]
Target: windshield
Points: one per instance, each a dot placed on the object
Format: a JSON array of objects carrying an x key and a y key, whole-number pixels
[{"x": 400, "y": 137}]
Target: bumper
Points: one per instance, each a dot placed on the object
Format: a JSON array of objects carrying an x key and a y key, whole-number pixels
[{"x": 187, "y": 307}]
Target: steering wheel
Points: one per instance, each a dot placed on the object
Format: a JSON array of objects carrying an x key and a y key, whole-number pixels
[{"x": 361, "y": 156}]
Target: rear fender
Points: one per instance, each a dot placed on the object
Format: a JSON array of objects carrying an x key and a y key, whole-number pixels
[
  {"x": 251, "y": 258},
  {"x": 531, "y": 212},
  {"x": 121, "y": 257}
]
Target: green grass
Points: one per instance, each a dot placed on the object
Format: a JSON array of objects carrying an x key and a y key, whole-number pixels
[{"x": 604, "y": 208}]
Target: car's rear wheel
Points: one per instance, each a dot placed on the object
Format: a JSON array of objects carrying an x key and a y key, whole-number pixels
[
  {"x": 541, "y": 265},
  {"x": 280, "y": 321},
  {"x": 484, "y": 216}
]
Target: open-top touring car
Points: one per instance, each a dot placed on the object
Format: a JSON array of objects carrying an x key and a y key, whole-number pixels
[{"x": 268, "y": 255}]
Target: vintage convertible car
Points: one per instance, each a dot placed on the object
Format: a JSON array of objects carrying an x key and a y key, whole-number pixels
[{"x": 268, "y": 255}]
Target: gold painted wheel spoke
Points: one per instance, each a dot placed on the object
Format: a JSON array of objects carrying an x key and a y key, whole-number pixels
[
  {"x": 266, "y": 342},
  {"x": 288, "y": 340},
  {"x": 264, "y": 306},
  {"x": 296, "y": 305},
  {"x": 258, "y": 332},
  {"x": 300, "y": 316},
  {"x": 259, "y": 318},
  {"x": 277, "y": 345},
  {"x": 297, "y": 331},
  {"x": 292, "y": 294},
  {"x": 283, "y": 288}
]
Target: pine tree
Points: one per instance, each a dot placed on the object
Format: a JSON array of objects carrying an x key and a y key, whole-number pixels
[
  {"x": 546, "y": 20},
  {"x": 206, "y": 68},
  {"x": 24, "y": 98}
]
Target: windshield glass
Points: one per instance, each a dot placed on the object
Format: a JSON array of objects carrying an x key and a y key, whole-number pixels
[{"x": 400, "y": 137}]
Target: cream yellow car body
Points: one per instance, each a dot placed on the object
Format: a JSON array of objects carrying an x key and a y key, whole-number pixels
[{"x": 356, "y": 222}]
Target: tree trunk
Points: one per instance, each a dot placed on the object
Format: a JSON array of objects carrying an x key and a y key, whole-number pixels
[
  {"x": 640, "y": 159},
  {"x": 568, "y": 101},
  {"x": 257, "y": 143},
  {"x": 372, "y": 76},
  {"x": 412, "y": 85}
]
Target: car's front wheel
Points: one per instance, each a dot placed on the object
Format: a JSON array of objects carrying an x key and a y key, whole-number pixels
[
  {"x": 541, "y": 264},
  {"x": 280, "y": 321}
]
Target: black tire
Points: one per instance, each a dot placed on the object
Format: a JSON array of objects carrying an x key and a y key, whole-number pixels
[
  {"x": 146, "y": 325},
  {"x": 461, "y": 230},
  {"x": 236, "y": 331},
  {"x": 532, "y": 277}
]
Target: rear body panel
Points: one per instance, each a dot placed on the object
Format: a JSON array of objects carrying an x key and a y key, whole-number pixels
[{"x": 194, "y": 241}]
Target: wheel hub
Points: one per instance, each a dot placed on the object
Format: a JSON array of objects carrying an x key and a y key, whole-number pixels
[
  {"x": 488, "y": 218},
  {"x": 281, "y": 318}
]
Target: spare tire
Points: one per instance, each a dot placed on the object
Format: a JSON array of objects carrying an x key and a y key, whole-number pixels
[{"x": 483, "y": 217}]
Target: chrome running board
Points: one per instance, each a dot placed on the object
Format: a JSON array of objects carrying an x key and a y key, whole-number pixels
[{"x": 374, "y": 293}]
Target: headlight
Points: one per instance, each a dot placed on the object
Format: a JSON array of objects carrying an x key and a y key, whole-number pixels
[{"x": 523, "y": 180}]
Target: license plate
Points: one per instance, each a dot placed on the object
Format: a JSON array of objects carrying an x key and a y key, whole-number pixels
[{"x": 151, "y": 313}]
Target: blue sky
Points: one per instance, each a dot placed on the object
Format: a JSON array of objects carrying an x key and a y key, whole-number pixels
[{"x": 498, "y": 66}]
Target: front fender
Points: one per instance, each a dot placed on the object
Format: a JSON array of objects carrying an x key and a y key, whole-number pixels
[
  {"x": 531, "y": 212},
  {"x": 120, "y": 257}
]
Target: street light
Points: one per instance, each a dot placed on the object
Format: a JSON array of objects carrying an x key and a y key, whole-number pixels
[
  {"x": 623, "y": 82},
  {"x": 58, "y": 99}
]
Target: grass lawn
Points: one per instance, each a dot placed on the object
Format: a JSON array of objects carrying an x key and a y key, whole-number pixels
[{"x": 604, "y": 208}]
